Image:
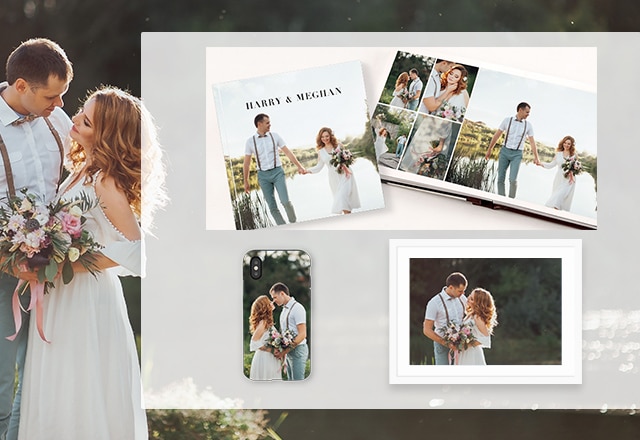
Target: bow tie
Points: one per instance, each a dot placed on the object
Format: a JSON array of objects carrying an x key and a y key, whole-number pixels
[{"x": 24, "y": 119}]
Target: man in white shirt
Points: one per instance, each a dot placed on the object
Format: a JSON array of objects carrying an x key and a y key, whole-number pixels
[
  {"x": 517, "y": 128},
  {"x": 33, "y": 132},
  {"x": 415, "y": 88},
  {"x": 293, "y": 318},
  {"x": 433, "y": 85},
  {"x": 447, "y": 305},
  {"x": 266, "y": 145}
]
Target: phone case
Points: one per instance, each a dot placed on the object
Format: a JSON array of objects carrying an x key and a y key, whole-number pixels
[{"x": 276, "y": 315}]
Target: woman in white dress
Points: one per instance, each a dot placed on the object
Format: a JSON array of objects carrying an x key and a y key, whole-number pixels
[
  {"x": 482, "y": 317},
  {"x": 343, "y": 184},
  {"x": 86, "y": 383},
  {"x": 381, "y": 142},
  {"x": 563, "y": 187},
  {"x": 452, "y": 100},
  {"x": 401, "y": 90},
  {"x": 264, "y": 365}
]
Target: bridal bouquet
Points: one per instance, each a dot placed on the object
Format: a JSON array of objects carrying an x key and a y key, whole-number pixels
[
  {"x": 45, "y": 238},
  {"x": 341, "y": 160},
  {"x": 572, "y": 167},
  {"x": 459, "y": 335},
  {"x": 448, "y": 111},
  {"x": 279, "y": 341}
]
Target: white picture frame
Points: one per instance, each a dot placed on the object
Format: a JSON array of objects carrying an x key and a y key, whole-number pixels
[{"x": 569, "y": 371}]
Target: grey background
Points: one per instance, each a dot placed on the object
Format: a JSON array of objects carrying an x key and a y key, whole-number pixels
[{"x": 192, "y": 292}]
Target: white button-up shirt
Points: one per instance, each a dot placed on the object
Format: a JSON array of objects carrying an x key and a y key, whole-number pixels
[
  {"x": 265, "y": 149},
  {"x": 516, "y": 137},
  {"x": 33, "y": 151},
  {"x": 293, "y": 313},
  {"x": 436, "y": 313}
]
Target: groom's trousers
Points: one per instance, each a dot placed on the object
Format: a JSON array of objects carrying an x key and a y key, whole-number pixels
[
  {"x": 297, "y": 362},
  {"x": 274, "y": 180},
  {"x": 511, "y": 159},
  {"x": 11, "y": 353}
]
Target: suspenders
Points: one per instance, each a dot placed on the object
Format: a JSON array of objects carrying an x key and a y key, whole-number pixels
[
  {"x": 7, "y": 163},
  {"x": 506, "y": 136},
  {"x": 445, "y": 306},
  {"x": 255, "y": 147}
]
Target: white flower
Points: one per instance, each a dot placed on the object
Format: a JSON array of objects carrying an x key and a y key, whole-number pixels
[
  {"x": 74, "y": 254},
  {"x": 75, "y": 211},
  {"x": 42, "y": 215},
  {"x": 25, "y": 205}
]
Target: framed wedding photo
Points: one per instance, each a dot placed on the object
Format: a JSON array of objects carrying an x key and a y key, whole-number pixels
[{"x": 499, "y": 311}]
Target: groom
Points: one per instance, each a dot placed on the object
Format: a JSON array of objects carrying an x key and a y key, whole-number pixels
[
  {"x": 517, "y": 128},
  {"x": 293, "y": 318},
  {"x": 38, "y": 75},
  {"x": 266, "y": 145},
  {"x": 448, "y": 305},
  {"x": 414, "y": 89}
]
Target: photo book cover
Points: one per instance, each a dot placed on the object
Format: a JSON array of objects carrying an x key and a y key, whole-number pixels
[
  {"x": 298, "y": 146},
  {"x": 510, "y": 138}
]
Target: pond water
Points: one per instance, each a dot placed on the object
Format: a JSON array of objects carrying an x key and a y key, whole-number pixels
[
  {"x": 312, "y": 198},
  {"x": 535, "y": 184}
]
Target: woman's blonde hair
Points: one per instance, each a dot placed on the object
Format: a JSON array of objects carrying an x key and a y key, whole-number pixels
[
  {"x": 260, "y": 311},
  {"x": 125, "y": 149},
  {"x": 333, "y": 140},
  {"x": 483, "y": 307},
  {"x": 572, "y": 148}
]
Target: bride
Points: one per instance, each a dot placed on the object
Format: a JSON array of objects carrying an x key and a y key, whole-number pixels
[
  {"x": 400, "y": 91},
  {"x": 452, "y": 100},
  {"x": 482, "y": 317},
  {"x": 563, "y": 187},
  {"x": 86, "y": 383},
  {"x": 264, "y": 365},
  {"x": 343, "y": 185}
]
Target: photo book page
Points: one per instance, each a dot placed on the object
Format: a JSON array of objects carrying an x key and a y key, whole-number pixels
[
  {"x": 495, "y": 136},
  {"x": 297, "y": 145}
]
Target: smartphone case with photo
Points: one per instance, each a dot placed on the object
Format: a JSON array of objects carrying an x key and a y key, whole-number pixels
[{"x": 276, "y": 315}]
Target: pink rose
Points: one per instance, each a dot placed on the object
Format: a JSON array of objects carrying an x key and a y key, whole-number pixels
[{"x": 71, "y": 225}]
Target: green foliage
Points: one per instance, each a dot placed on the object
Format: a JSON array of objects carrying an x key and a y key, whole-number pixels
[{"x": 207, "y": 424}]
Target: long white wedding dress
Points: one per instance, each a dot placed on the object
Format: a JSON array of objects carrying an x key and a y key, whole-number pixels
[
  {"x": 380, "y": 146},
  {"x": 85, "y": 383},
  {"x": 474, "y": 355},
  {"x": 264, "y": 365},
  {"x": 396, "y": 101},
  {"x": 563, "y": 189},
  {"x": 343, "y": 187}
]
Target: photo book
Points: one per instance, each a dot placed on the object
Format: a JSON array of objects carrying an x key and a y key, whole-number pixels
[
  {"x": 495, "y": 136},
  {"x": 298, "y": 145}
]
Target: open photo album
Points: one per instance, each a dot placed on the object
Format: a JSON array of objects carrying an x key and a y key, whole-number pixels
[
  {"x": 297, "y": 145},
  {"x": 497, "y": 137}
]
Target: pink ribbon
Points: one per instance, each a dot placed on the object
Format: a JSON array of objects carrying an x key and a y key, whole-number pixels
[
  {"x": 37, "y": 296},
  {"x": 347, "y": 171},
  {"x": 456, "y": 355}
]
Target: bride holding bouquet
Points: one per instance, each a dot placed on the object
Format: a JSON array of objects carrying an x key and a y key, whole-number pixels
[
  {"x": 264, "y": 365},
  {"x": 482, "y": 318},
  {"x": 341, "y": 177},
  {"x": 564, "y": 184}
]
